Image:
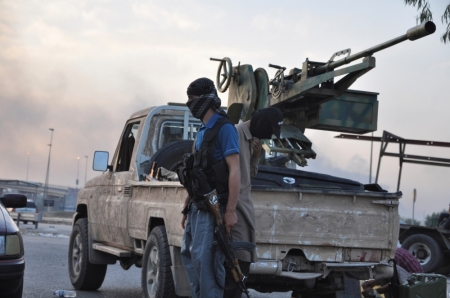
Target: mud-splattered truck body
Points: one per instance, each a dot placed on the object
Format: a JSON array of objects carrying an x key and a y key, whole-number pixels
[{"x": 311, "y": 229}]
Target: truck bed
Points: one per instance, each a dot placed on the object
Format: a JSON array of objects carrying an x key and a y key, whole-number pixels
[{"x": 311, "y": 212}]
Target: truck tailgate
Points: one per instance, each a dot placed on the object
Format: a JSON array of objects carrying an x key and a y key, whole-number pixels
[{"x": 327, "y": 225}]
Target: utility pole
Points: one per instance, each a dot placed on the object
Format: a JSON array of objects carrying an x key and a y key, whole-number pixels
[
  {"x": 414, "y": 202},
  {"x": 85, "y": 171},
  {"x": 28, "y": 164},
  {"x": 48, "y": 165},
  {"x": 78, "y": 170},
  {"x": 371, "y": 154}
]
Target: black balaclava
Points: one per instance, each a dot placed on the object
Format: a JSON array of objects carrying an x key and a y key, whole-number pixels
[
  {"x": 266, "y": 122},
  {"x": 207, "y": 98}
]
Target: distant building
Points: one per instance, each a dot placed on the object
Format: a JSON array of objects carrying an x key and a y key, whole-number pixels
[{"x": 71, "y": 199}]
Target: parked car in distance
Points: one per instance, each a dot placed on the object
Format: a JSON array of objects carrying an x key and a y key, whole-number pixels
[
  {"x": 12, "y": 261},
  {"x": 30, "y": 208}
]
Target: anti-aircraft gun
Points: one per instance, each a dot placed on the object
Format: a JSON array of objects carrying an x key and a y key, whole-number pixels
[{"x": 309, "y": 97}]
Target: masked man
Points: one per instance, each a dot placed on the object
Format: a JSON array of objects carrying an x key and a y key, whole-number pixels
[
  {"x": 217, "y": 157},
  {"x": 263, "y": 124}
]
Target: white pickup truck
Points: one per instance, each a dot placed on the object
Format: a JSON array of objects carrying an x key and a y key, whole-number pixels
[
  {"x": 29, "y": 213},
  {"x": 312, "y": 230}
]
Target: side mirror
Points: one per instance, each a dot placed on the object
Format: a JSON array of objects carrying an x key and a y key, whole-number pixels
[
  {"x": 14, "y": 201},
  {"x": 100, "y": 161}
]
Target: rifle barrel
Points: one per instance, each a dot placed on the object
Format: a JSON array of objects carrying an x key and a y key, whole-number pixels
[{"x": 414, "y": 33}]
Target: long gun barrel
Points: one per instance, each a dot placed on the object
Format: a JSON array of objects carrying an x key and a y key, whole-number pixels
[{"x": 414, "y": 33}]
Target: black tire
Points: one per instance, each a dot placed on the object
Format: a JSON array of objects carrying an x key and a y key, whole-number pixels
[
  {"x": 352, "y": 288},
  {"x": 156, "y": 279},
  {"x": 314, "y": 295},
  {"x": 83, "y": 275},
  {"x": 426, "y": 250},
  {"x": 25, "y": 222},
  {"x": 444, "y": 269},
  {"x": 169, "y": 156}
]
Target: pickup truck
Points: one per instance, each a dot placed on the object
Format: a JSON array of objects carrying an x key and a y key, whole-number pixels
[
  {"x": 29, "y": 213},
  {"x": 312, "y": 229}
]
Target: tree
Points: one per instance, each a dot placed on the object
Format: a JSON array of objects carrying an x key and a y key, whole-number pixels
[
  {"x": 409, "y": 221},
  {"x": 431, "y": 220},
  {"x": 426, "y": 15}
]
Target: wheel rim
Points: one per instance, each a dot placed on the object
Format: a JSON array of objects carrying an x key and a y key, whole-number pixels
[
  {"x": 421, "y": 252},
  {"x": 152, "y": 272},
  {"x": 77, "y": 255}
]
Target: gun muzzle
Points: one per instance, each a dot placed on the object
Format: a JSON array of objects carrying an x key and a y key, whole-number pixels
[
  {"x": 421, "y": 30},
  {"x": 414, "y": 33}
]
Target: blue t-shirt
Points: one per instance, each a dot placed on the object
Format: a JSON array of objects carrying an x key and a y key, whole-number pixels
[{"x": 227, "y": 141}]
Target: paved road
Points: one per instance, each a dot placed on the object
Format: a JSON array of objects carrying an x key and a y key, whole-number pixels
[
  {"x": 46, "y": 271},
  {"x": 46, "y": 267}
]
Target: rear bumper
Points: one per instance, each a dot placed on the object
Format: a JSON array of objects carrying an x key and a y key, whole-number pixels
[
  {"x": 11, "y": 276},
  {"x": 359, "y": 270},
  {"x": 26, "y": 216}
]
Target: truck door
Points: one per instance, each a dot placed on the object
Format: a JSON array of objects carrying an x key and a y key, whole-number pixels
[{"x": 113, "y": 202}]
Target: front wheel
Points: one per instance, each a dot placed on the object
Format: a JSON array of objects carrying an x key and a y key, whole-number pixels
[
  {"x": 156, "y": 279},
  {"x": 83, "y": 275},
  {"x": 426, "y": 250}
]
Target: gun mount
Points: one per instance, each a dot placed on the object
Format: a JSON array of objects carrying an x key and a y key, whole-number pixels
[{"x": 308, "y": 96}]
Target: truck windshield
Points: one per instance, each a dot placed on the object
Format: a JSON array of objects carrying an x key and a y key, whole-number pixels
[{"x": 172, "y": 131}]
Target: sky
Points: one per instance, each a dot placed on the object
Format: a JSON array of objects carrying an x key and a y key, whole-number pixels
[{"x": 83, "y": 67}]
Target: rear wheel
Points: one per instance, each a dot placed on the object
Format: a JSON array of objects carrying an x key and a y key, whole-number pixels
[
  {"x": 83, "y": 275},
  {"x": 25, "y": 222},
  {"x": 426, "y": 250},
  {"x": 156, "y": 279}
]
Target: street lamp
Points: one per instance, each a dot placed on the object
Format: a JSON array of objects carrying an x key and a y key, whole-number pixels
[
  {"x": 28, "y": 164},
  {"x": 85, "y": 171},
  {"x": 48, "y": 164},
  {"x": 78, "y": 170}
]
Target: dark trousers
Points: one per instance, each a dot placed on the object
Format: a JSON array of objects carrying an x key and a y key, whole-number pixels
[{"x": 232, "y": 289}]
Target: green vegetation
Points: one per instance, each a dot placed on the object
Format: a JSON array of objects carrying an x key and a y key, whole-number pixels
[
  {"x": 431, "y": 220},
  {"x": 409, "y": 221}
]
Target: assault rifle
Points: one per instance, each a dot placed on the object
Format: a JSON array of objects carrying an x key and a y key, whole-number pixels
[
  {"x": 224, "y": 241},
  {"x": 201, "y": 186}
]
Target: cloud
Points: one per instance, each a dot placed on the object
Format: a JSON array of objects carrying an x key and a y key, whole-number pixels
[
  {"x": 162, "y": 17},
  {"x": 83, "y": 67}
]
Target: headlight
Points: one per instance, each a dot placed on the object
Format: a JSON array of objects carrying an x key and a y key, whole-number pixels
[
  {"x": 10, "y": 245},
  {"x": 2, "y": 245}
]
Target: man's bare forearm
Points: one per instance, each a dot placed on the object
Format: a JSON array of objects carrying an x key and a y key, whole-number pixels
[
  {"x": 234, "y": 181},
  {"x": 186, "y": 201}
]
